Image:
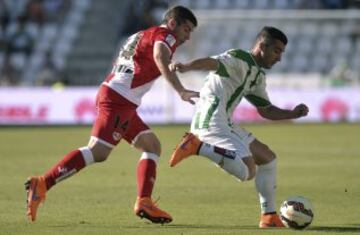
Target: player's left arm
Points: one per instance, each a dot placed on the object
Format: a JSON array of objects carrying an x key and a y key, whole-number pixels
[
  {"x": 273, "y": 112},
  {"x": 162, "y": 58},
  {"x": 266, "y": 109}
]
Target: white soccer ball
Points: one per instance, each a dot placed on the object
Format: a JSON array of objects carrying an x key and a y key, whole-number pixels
[{"x": 296, "y": 212}]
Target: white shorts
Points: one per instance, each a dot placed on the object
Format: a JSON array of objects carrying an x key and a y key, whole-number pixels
[
  {"x": 211, "y": 124},
  {"x": 235, "y": 138}
]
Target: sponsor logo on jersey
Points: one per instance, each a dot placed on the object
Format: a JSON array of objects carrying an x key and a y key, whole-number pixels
[{"x": 170, "y": 39}]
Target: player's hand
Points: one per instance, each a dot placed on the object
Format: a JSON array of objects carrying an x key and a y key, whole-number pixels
[
  {"x": 177, "y": 67},
  {"x": 172, "y": 66},
  {"x": 188, "y": 96},
  {"x": 301, "y": 110}
]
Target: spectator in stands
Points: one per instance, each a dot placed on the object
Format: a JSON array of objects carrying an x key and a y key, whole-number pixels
[
  {"x": 20, "y": 22},
  {"x": 305, "y": 4},
  {"x": 4, "y": 15},
  {"x": 55, "y": 9},
  {"x": 141, "y": 15},
  {"x": 342, "y": 75},
  {"x": 353, "y": 4},
  {"x": 4, "y": 21},
  {"x": 2, "y": 40},
  {"x": 50, "y": 73},
  {"x": 20, "y": 41},
  {"x": 19, "y": 46},
  {"x": 35, "y": 12},
  {"x": 9, "y": 76},
  {"x": 334, "y": 4}
]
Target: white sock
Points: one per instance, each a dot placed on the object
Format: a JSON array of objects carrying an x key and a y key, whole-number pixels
[
  {"x": 265, "y": 182},
  {"x": 148, "y": 155},
  {"x": 87, "y": 155}
]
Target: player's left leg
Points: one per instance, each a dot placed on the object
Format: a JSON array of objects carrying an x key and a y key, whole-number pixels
[
  {"x": 265, "y": 182},
  {"x": 146, "y": 141},
  {"x": 37, "y": 186},
  {"x": 109, "y": 126},
  {"x": 227, "y": 148}
]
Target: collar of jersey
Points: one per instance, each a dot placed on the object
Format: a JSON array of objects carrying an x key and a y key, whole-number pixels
[{"x": 254, "y": 60}]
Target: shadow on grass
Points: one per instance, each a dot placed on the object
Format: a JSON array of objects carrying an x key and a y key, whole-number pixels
[
  {"x": 339, "y": 229},
  {"x": 202, "y": 226},
  {"x": 149, "y": 225},
  {"x": 211, "y": 226},
  {"x": 347, "y": 229},
  {"x": 331, "y": 229}
]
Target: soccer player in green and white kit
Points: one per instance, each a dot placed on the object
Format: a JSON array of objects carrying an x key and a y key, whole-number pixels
[{"x": 237, "y": 74}]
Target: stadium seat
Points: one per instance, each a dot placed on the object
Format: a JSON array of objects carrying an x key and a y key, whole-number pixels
[{"x": 311, "y": 41}]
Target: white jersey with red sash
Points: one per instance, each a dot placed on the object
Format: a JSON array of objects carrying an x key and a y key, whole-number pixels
[{"x": 135, "y": 70}]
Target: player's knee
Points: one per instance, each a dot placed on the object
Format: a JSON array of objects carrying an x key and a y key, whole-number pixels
[
  {"x": 149, "y": 143},
  {"x": 153, "y": 147},
  {"x": 252, "y": 172},
  {"x": 250, "y": 163},
  {"x": 270, "y": 155},
  {"x": 157, "y": 147},
  {"x": 239, "y": 169},
  {"x": 272, "y": 165},
  {"x": 100, "y": 157},
  {"x": 243, "y": 174},
  {"x": 100, "y": 152}
]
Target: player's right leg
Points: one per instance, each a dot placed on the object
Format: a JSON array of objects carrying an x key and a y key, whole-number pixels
[{"x": 188, "y": 146}]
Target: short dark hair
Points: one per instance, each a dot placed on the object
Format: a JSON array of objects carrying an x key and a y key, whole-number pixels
[
  {"x": 270, "y": 34},
  {"x": 180, "y": 14}
]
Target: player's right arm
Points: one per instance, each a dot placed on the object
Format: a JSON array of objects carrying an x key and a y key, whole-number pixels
[
  {"x": 204, "y": 64},
  {"x": 162, "y": 59}
]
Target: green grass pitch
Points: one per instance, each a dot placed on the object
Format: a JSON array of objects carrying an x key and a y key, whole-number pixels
[{"x": 320, "y": 162}]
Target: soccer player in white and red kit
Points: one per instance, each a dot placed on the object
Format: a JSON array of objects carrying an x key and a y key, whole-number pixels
[{"x": 143, "y": 58}]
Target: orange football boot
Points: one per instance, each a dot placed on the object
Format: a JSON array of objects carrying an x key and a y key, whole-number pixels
[
  {"x": 146, "y": 208},
  {"x": 270, "y": 221},
  {"x": 36, "y": 189},
  {"x": 189, "y": 145}
]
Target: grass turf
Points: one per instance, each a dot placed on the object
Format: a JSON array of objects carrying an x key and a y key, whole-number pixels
[{"x": 316, "y": 161}]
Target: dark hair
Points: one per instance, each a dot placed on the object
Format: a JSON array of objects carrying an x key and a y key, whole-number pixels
[
  {"x": 270, "y": 34},
  {"x": 180, "y": 14}
]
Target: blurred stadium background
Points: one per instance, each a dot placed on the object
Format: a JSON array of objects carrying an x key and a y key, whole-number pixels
[{"x": 55, "y": 53}]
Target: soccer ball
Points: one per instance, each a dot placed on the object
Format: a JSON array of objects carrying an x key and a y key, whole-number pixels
[{"x": 296, "y": 212}]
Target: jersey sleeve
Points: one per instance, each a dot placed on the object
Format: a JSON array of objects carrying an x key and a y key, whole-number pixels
[
  {"x": 166, "y": 38},
  {"x": 229, "y": 66},
  {"x": 259, "y": 96}
]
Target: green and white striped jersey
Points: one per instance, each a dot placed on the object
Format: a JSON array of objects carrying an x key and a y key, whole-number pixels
[{"x": 238, "y": 76}]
